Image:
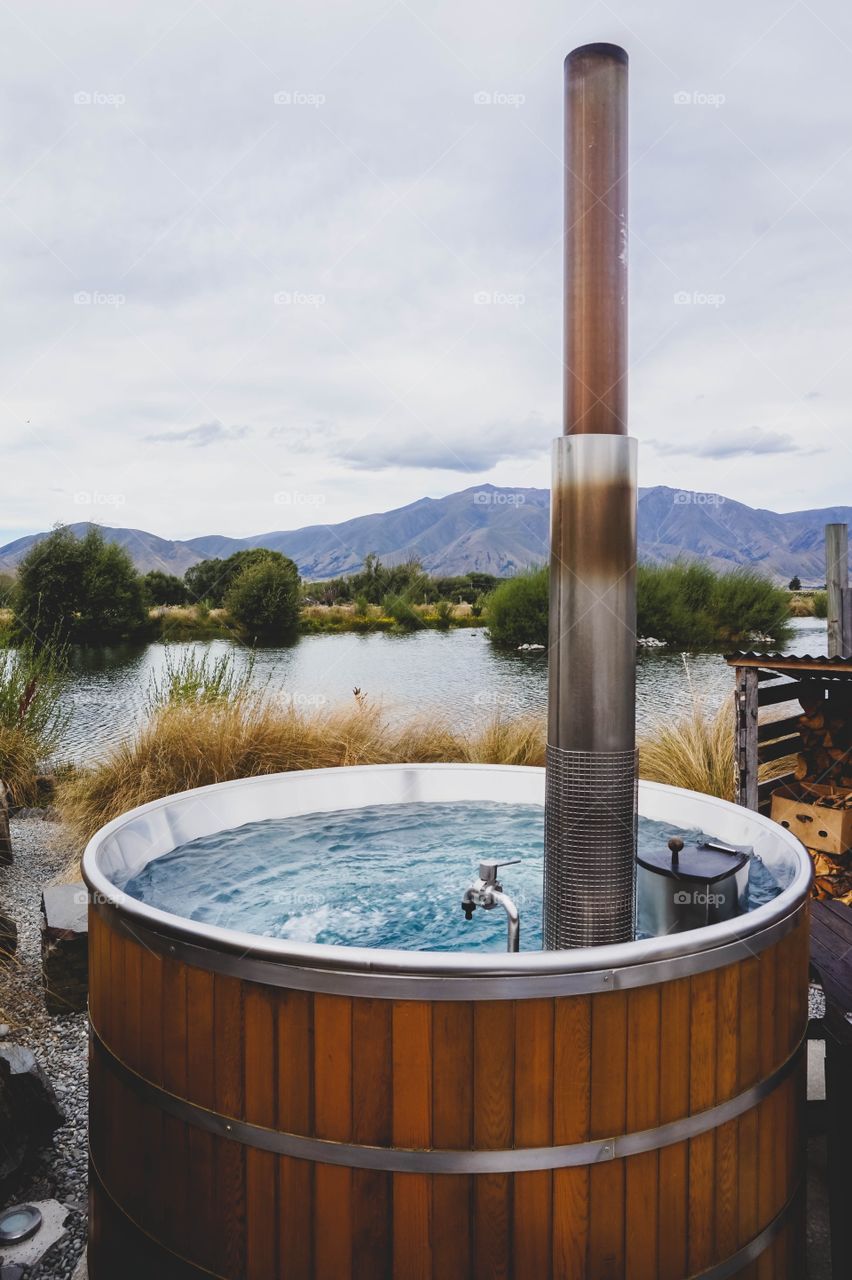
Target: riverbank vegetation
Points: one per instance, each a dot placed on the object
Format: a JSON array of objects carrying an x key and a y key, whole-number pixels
[
  {"x": 685, "y": 605},
  {"x": 204, "y": 725},
  {"x": 87, "y": 591},
  {"x": 32, "y": 717}
]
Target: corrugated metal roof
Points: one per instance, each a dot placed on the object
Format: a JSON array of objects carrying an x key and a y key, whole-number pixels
[{"x": 840, "y": 668}]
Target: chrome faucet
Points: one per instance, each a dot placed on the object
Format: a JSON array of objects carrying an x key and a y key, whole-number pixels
[{"x": 487, "y": 892}]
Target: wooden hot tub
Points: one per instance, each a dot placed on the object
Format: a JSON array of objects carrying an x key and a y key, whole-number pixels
[{"x": 265, "y": 1109}]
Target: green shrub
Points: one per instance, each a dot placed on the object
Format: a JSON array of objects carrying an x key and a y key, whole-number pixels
[
  {"x": 404, "y": 615},
  {"x": 264, "y": 599},
  {"x": 517, "y": 610},
  {"x": 687, "y": 605},
  {"x": 819, "y": 601},
  {"x": 443, "y": 615}
]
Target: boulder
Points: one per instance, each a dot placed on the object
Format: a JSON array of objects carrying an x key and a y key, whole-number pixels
[
  {"x": 29, "y": 1111},
  {"x": 65, "y": 947}
]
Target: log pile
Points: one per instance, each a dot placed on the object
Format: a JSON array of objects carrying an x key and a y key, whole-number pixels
[
  {"x": 824, "y": 770},
  {"x": 826, "y": 731}
]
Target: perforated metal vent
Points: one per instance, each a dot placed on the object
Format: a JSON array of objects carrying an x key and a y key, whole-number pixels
[{"x": 589, "y": 846}]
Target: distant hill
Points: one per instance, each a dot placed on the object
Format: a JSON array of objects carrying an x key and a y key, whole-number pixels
[{"x": 500, "y": 531}]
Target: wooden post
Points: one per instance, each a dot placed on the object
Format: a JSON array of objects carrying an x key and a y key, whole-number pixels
[
  {"x": 837, "y": 581},
  {"x": 745, "y": 738},
  {"x": 5, "y": 835}
]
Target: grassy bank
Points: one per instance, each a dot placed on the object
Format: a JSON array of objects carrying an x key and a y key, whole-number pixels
[
  {"x": 808, "y": 604},
  {"x": 198, "y": 622}
]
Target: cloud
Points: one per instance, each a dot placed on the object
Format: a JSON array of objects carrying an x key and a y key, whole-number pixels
[
  {"x": 205, "y": 433},
  {"x": 412, "y": 238},
  {"x": 750, "y": 442},
  {"x": 457, "y": 447}
]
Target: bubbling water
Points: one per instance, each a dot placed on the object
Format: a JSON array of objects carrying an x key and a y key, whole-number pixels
[{"x": 386, "y": 876}]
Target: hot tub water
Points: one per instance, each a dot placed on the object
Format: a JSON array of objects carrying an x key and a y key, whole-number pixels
[{"x": 388, "y": 876}]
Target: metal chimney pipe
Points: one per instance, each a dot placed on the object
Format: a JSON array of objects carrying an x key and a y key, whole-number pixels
[{"x": 590, "y": 805}]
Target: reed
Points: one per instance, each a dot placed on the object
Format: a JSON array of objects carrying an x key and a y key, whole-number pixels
[{"x": 32, "y": 717}]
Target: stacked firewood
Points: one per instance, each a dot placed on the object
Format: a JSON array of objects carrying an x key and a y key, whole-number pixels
[
  {"x": 824, "y": 768},
  {"x": 826, "y": 732}
]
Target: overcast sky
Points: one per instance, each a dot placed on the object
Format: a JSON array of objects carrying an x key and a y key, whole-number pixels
[{"x": 268, "y": 265}]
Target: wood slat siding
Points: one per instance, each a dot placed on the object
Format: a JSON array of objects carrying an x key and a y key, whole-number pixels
[
  {"x": 572, "y": 1057},
  {"x": 452, "y": 1128},
  {"x": 481, "y": 1075}
]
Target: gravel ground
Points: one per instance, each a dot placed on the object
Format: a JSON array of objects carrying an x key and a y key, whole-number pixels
[{"x": 60, "y": 1044}]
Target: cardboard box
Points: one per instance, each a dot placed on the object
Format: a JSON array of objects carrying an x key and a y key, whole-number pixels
[{"x": 828, "y": 830}]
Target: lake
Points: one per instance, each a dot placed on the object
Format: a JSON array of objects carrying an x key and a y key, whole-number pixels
[{"x": 458, "y": 672}]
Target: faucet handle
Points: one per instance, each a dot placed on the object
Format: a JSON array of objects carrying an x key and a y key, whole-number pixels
[{"x": 489, "y": 867}]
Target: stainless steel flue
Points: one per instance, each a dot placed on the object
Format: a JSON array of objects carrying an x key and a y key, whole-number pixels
[{"x": 590, "y": 806}]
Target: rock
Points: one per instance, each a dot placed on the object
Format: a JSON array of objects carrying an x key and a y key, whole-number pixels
[
  {"x": 5, "y": 834},
  {"x": 14, "y": 1271},
  {"x": 65, "y": 948},
  {"x": 8, "y": 935},
  {"x": 29, "y": 1111}
]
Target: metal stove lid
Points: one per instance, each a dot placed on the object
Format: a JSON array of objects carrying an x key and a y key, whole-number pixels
[{"x": 707, "y": 862}]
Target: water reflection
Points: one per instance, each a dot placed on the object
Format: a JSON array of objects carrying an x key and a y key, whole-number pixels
[{"x": 457, "y": 672}]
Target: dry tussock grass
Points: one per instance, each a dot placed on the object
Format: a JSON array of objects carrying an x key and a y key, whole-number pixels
[{"x": 186, "y": 745}]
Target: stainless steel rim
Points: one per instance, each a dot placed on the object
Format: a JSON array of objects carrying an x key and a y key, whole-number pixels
[
  {"x": 385, "y": 983},
  {"x": 406, "y": 1160},
  {"x": 748, "y": 930}
]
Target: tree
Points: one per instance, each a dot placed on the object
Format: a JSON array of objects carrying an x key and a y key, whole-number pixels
[
  {"x": 264, "y": 598},
  {"x": 113, "y": 600},
  {"x": 7, "y": 590},
  {"x": 211, "y": 580},
  {"x": 164, "y": 588},
  {"x": 73, "y": 588},
  {"x": 795, "y": 583}
]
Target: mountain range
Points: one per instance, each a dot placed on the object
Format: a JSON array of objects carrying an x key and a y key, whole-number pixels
[{"x": 499, "y": 531}]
